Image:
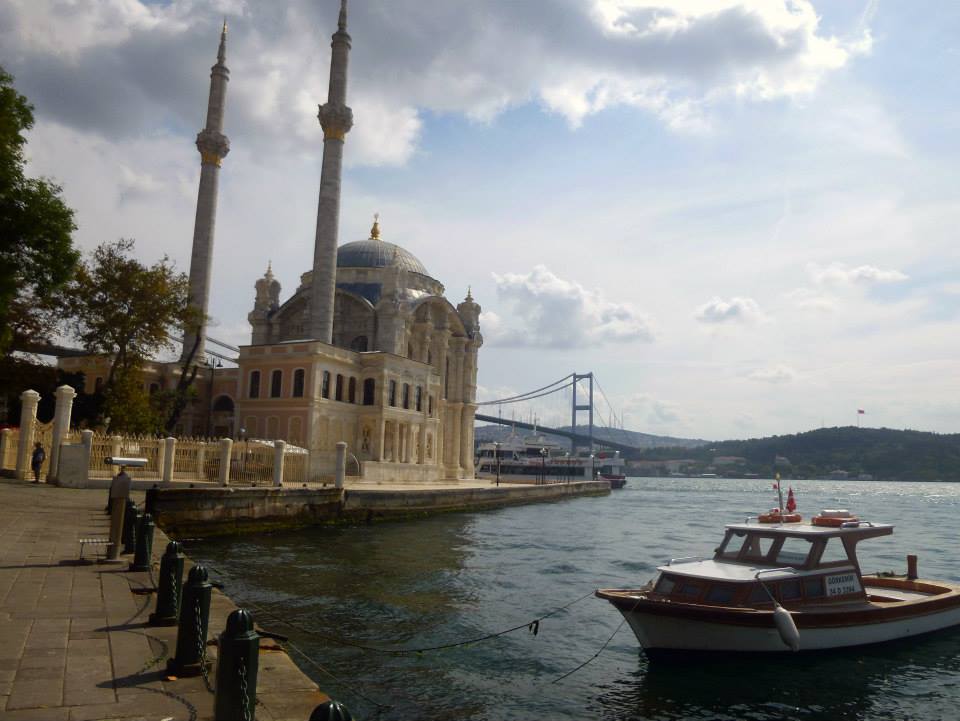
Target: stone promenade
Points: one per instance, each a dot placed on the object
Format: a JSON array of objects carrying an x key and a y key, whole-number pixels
[{"x": 74, "y": 639}]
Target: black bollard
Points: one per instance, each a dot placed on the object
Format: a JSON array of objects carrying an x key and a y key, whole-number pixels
[
  {"x": 191, "y": 656},
  {"x": 169, "y": 587},
  {"x": 238, "y": 657},
  {"x": 150, "y": 501},
  {"x": 141, "y": 557},
  {"x": 331, "y": 711},
  {"x": 130, "y": 528}
]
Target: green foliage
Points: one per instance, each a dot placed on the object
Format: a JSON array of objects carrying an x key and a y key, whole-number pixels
[
  {"x": 37, "y": 256},
  {"x": 127, "y": 406},
  {"x": 126, "y": 310},
  {"x": 884, "y": 453}
]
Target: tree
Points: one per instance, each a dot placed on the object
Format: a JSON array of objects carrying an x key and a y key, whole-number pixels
[
  {"x": 37, "y": 256},
  {"x": 126, "y": 311}
]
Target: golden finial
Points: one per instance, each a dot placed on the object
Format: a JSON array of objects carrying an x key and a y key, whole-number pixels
[
  {"x": 224, "y": 25},
  {"x": 375, "y": 230}
]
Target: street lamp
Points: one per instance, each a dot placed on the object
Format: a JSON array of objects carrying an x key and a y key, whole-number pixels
[
  {"x": 243, "y": 457},
  {"x": 543, "y": 465},
  {"x": 566, "y": 466},
  {"x": 496, "y": 450},
  {"x": 593, "y": 473}
]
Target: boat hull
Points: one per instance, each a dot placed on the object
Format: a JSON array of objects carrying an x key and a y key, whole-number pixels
[{"x": 665, "y": 628}]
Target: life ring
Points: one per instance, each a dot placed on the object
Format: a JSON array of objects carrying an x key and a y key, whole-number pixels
[{"x": 775, "y": 516}]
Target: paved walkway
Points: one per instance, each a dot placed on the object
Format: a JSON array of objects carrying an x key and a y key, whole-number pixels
[{"x": 74, "y": 639}]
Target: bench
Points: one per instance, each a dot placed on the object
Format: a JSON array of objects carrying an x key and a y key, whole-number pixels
[{"x": 84, "y": 542}]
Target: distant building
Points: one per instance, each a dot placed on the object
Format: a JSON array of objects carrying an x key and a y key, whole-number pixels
[
  {"x": 781, "y": 461},
  {"x": 721, "y": 461}
]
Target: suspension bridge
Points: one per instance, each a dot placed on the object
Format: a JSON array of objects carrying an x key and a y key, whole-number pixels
[{"x": 574, "y": 392}]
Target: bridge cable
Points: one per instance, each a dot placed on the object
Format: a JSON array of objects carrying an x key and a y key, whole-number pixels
[
  {"x": 526, "y": 398},
  {"x": 523, "y": 395}
]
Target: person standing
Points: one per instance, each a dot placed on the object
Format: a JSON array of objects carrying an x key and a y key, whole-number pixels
[{"x": 36, "y": 461}]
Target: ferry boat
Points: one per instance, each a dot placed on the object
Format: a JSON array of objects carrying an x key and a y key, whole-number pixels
[
  {"x": 782, "y": 586},
  {"x": 535, "y": 459}
]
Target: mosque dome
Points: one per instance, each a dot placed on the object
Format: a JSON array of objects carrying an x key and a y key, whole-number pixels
[{"x": 376, "y": 253}]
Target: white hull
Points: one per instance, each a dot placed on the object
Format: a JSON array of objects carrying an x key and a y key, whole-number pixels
[{"x": 662, "y": 633}]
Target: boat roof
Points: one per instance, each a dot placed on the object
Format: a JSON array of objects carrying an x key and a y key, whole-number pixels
[
  {"x": 864, "y": 529},
  {"x": 739, "y": 572}
]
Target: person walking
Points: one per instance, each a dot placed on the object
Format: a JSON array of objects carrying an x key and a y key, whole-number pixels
[{"x": 36, "y": 461}]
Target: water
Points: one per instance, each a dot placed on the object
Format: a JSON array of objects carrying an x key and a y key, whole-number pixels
[{"x": 460, "y": 576}]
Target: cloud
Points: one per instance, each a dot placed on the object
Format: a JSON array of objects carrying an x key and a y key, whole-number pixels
[
  {"x": 118, "y": 67},
  {"x": 651, "y": 413},
  {"x": 807, "y": 299},
  {"x": 736, "y": 310},
  {"x": 773, "y": 374},
  {"x": 552, "y": 312},
  {"x": 839, "y": 274}
]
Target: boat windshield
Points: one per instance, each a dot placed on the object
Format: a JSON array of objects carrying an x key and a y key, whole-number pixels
[{"x": 765, "y": 548}]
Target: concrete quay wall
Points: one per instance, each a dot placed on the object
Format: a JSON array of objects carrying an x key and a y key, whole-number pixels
[{"x": 204, "y": 512}]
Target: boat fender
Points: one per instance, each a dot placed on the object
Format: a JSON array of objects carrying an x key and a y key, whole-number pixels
[{"x": 786, "y": 627}]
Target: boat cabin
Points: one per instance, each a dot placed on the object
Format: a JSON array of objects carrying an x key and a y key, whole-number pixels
[{"x": 796, "y": 563}]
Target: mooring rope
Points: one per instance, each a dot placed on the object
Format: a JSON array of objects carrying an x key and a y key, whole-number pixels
[
  {"x": 306, "y": 657},
  {"x": 533, "y": 626}
]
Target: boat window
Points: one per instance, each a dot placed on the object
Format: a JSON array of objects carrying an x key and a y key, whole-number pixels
[
  {"x": 757, "y": 547},
  {"x": 813, "y": 587},
  {"x": 665, "y": 585},
  {"x": 720, "y": 594},
  {"x": 794, "y": 551},
  {"x": 758, "y": 595},
  {"x": 789, "y": 590},
  {"x": 834, "y": 552},
  {"x": 731, "y": 544},
  {"x": 689, "y": 589}
]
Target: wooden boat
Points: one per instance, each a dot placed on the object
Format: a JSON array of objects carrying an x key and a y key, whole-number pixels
[{"x": 787, "y": 586}]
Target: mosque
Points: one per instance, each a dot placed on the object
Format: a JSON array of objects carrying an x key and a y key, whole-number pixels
[{"x": 366, "y": 350}]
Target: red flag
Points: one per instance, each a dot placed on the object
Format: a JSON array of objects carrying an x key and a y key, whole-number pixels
[{"x": 791, "y": 501}]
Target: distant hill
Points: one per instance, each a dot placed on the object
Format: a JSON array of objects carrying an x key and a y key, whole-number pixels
[
  {"x": 883, "y": 453},
  {"x": 493, "y": 432}
]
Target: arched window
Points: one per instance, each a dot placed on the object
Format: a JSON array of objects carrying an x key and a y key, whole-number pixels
[
  {"x": 359, "y": 344},
  {"x": 369, "y": 391},
  {"x": 418, "y": 398},
  {"x": 298, "y": 376},
  {"x": 392, "y": 395},
  {"x": 254, "y": 384},
  {"x": 352, "y": 391},
  {"x": 325, "y": 385},
  {"x": 272, "y": 424},
  {"x": 339, "y": 391},
  {"x": 406, "y": 395},
  {"x": 223, "y": 404},
  {"x": 276, "y": 383}
]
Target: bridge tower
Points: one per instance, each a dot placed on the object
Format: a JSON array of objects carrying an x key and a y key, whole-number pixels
[{"x": 581, "y": 407}]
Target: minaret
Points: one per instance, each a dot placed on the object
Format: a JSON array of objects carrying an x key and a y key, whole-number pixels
[
  {"x": 336, "y": 119},
  {"x": 213, "y": 146}
]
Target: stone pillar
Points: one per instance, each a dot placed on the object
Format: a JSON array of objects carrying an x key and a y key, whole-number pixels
[
  {"x": 380, "y": 440},
  {"x": 279, "y": 447},
  {"x": 115, "y": 446},
  {"x": 169, "y": 448},
  {"x": 86, "y": 438},
  {"x": 201, "y": 461},
  {"x": 28, "y": 419},
  {"x": 4, "y": 447},
  {"x": 466, "y": 441},
  {"x": 455, "y": 438},
  {"x": 61, "y": 426},
  {"x": 341, "y": 470},
  {"x": 395, "y": 455},
  {"x": 422, "y": 458},
  {"x": 226, "y": 451}
]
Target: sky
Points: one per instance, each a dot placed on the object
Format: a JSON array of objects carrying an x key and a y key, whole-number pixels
[{"x": 739, "y": 214}]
